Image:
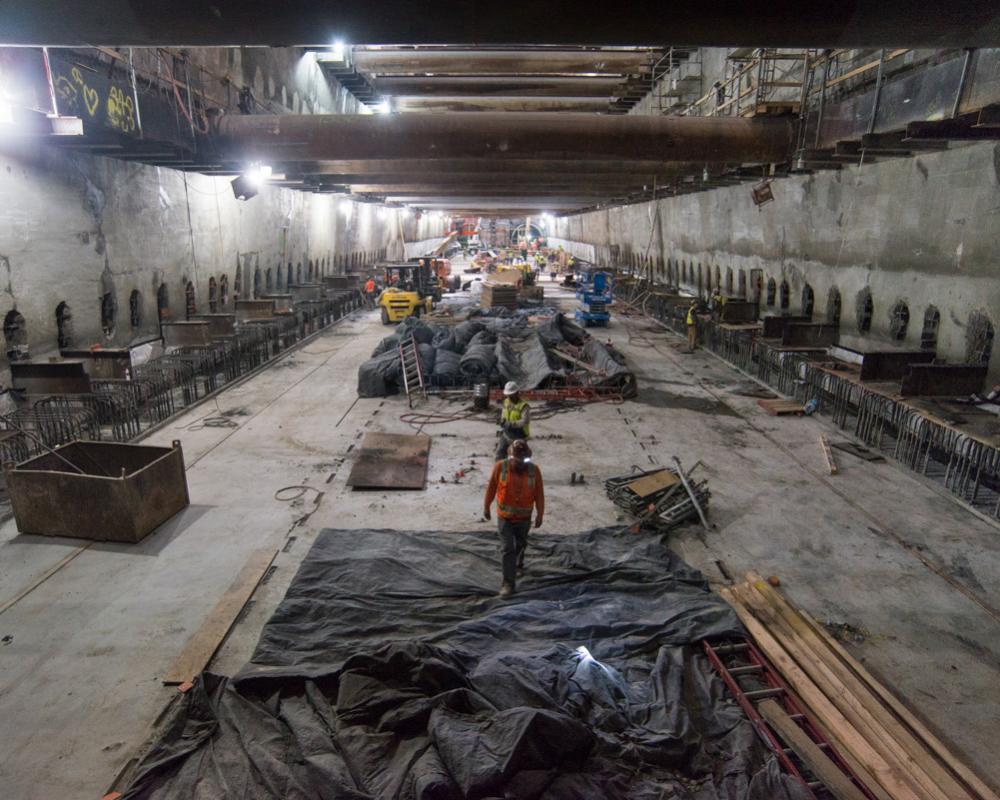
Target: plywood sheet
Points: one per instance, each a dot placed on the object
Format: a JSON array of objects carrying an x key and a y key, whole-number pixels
[
  {"x": 391, "y": 461},
  {"x": 651, "y": 484}
]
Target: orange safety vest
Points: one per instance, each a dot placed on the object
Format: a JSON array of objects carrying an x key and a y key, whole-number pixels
[
  {"x": 516, "y": 499},
  {"x": 370, "y": 286}
]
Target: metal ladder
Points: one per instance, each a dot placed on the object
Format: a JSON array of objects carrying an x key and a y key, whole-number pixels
[
  {"x": 413, "y": 373},
  {"x": 741, "y": 660}
]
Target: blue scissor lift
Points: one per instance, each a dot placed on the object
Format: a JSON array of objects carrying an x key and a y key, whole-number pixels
[{"x": 595, "y": 297}]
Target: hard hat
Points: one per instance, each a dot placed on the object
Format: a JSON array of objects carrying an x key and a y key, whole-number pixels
[
  {"x": 519, "y": 449},
  {"x": 510, "y": 388}
]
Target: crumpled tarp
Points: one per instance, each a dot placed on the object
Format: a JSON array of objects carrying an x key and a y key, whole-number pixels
[
  {"x": 392, "y": 671},
  {"x": 478, "y": 362},
  {"x": 492, "y": 349}
]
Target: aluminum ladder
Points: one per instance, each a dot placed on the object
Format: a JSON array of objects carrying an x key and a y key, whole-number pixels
[{"x": 413, "y": 373}]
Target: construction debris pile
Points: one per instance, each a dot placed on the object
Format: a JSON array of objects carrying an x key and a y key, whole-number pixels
[
  {"x": 660, "y": 499},
  {"x": 867, "y": 731},
  {"x": 383, "y": 676},
  {"x": 536, "y": 351}
]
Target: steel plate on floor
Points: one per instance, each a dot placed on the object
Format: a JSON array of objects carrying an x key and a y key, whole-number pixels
[{"x": 391, "y": 461}]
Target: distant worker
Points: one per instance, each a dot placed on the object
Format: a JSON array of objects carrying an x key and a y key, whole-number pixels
[
  {"x": 692, "y": 325},
  {"x": 516, "y": 483},
  {"x": 515, "y": 419},
  {"x": 717, "y": 302},
  {"x": 370, "y": 290}
]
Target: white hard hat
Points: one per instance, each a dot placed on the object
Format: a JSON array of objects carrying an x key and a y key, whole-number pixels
[{"x": 510, "y": 388}]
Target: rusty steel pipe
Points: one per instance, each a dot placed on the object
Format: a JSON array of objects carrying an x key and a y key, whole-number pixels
[{"x": 317, "y": 137}]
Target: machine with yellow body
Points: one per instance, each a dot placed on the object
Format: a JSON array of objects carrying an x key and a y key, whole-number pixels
[{"x": 409, "y": 291}]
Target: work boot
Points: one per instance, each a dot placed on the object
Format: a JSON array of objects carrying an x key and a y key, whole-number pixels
[{"x": 506, "y": 590}]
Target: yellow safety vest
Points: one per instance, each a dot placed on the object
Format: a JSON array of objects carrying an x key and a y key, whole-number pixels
[
  {"x": 512, "y": 413},
  {"x": 690, "y": 319}
]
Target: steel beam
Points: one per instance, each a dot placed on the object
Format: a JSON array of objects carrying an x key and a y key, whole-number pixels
[
  {"x": 752, "y": 23},
  {"x": 498, "y": 86},
  {"x": 434, "y": 167},
  {"x": 474, "y": 103},
  {"x": 457, "y": 62},
  {"x": 489, "y": 187},
  {"x": 499, "y": 137},
  {"x": 374, "y": 183}
]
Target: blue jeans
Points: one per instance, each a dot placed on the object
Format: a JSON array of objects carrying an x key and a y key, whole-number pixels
[{"x": 513, "y": 542}]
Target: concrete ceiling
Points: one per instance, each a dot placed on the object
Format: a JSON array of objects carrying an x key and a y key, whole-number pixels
[{"x": 752, "y": 23}]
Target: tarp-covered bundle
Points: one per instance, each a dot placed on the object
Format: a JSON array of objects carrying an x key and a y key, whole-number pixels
[
  {"x": 391, "y": 671},
  {"x": 493, "y": 349}
]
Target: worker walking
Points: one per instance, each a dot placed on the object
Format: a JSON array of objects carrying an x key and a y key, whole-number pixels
[
  {"x": 515, "y": 419},
  {"x": 516, "y": 484},
  {"x": 370, "y": 290},
  {"x": 692, "y": 325}
]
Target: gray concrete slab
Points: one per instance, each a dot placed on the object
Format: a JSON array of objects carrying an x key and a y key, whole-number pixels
[{"x": 79, "y": 682}]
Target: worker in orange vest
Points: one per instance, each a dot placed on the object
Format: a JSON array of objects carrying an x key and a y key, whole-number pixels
[{"x": 516, "y": 483}]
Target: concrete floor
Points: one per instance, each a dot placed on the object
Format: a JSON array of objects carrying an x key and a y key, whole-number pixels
[{"x": 874, "y": 546}]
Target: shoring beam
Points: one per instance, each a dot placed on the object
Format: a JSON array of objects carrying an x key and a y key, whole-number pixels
[
  {"x": 498, "y": 179},
  {"x": 459, "y": 62},
  {"x": 498, "y": 86},
  {"x": 501, "y": 136},
  {"x": 443, "y": 166},
  {"x": 476, "y": 103},
  {"x": 752, "y": 23}
]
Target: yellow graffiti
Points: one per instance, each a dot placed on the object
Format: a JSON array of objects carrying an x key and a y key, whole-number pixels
[
  {"x": 73, "y": 87},
  {"x": 121, "y": 110}
]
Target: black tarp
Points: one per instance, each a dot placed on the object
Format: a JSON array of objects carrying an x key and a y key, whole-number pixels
[{"x": 391, "y": 670}]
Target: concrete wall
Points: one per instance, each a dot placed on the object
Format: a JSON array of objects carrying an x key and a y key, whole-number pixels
[
  {"x": 920, "y": 230},
  {"x": 73, "y": 227}
]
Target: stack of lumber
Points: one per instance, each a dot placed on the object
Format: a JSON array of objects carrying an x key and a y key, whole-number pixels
[
  {"x": 497, "y": 295},
  {"x": 533, "y": 292},
  {"x": 886, "y": 746}
]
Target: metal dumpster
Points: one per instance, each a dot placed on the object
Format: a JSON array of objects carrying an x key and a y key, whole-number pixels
[{"x": 122, "y": 493}]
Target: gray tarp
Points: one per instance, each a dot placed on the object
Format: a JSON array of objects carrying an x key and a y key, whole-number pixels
[{"x": 392, "y": 671}]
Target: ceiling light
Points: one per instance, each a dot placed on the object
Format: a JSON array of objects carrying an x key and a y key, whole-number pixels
[
  {"x": 257, "y": 175},
  {"x": 383, "y": 107},
  {"x": 338, "y": 50}
]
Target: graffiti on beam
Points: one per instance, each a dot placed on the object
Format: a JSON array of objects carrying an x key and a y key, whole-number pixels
[
  {"x": 121, "y": 110},
  {"x": 94, "y": 98}
]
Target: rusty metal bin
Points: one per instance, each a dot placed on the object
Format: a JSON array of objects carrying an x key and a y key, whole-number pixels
[{"x": 123, "y": 493}]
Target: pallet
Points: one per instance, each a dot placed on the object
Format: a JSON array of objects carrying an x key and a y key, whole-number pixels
[{"x": 780, "y": 408}]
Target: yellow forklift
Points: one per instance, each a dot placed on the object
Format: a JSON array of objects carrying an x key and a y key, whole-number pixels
[{"x": 410, "y": 290}]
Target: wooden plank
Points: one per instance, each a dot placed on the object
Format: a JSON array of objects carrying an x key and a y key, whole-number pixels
[
  {"x": 391, "y": 461},
  {"x": 778, "y": 408},
  {"x": 841, "y": 732},
  {"x": 650, "y": 484},
  {"x": 838, "y": 784},
  {"x": 206, "y": 640},
  {"x": 960, "y": 770},
  {"x": 881, "y": 737},
  {"x": 907, "y": 738},
  {"x": 828, "y": 454}
]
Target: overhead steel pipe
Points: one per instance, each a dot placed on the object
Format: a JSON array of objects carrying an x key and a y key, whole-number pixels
[
  {"x": 499, "y": 86},
  {"x": 433, "y": 167},
  {"x": 498, "y": 137},
  {"x": 450, "y": 61}
]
